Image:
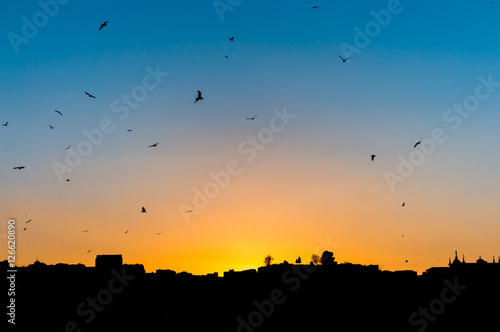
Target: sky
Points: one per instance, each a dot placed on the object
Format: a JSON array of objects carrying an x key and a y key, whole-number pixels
[{"x": 296, "y": 180}]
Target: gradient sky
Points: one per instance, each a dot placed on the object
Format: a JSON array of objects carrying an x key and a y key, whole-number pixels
[{"x": 313, "y": 181}]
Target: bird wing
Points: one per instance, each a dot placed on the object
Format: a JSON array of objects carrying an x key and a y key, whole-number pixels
[
  {"x": 199, "y": 94},
  {"x": 341, "y": 57}
]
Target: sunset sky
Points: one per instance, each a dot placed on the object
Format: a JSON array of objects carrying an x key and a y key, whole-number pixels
[{"x": 302, "y": 178}]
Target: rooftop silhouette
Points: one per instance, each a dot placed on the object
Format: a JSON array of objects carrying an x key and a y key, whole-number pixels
[{"x": 275, "y": 297}]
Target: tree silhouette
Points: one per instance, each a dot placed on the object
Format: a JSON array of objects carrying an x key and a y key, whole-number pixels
[
  {"x": 315, "y": 259},
  {"x": 298, "y": 260},
  {"x": 327, "y": 258},
  {"x": 268, "y": 260}
]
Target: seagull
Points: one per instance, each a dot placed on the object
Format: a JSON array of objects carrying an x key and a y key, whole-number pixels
[
  {"x": 105, "y": 24},
  {"x": 89, "y": 251},
  {"x": 419, "y": 142},
  {"x": 86, "y": 230},
  {"x": 126, "y": 231},
  {"x": 51, "y": 127},
  {"x": 143, "y": 210},
  {"x": 153, "y": 145},
  {"x": 315, "y": 7},
  {"x": 403, "y": 204},
  {"x": 5, "y": 124},
  {"x": 88, "y": 94},
  {"x": 343, "y": 60},
  {"x": 68, "y": 147},
  {"x": 231, "y": 39},
  {"x": 28, "y": 221},
  {"x": 199, "y": 97},
  {"x": 19, "y": 167},
  {"x": 58, "y": 112},
  {"x": 252, "y": 117},
  {"x": 373, "y": 156}
]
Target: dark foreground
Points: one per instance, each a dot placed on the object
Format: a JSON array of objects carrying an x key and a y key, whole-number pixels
[{"x": 284, "y": 297}]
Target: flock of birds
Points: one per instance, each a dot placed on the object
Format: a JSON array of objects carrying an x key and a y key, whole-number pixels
[{"x": 199, "y": 97}]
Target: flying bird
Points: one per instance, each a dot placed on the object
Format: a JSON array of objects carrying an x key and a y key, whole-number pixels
[
  {"x": 403, "y": 204},
  {"x": 51, "y": 127},
  {"x": 19, "y": 167},
  {"x": 373, "y": 156},
  {"x": 129, "y": 129},
  {"x": 67, "y": 148},
  {"x": 419, "y": 142},
  {"x": 158, "y": 233},
  {"x": 28, "y": 221},
  {"x": 5, "y": 124},
  {"x": 25, "y": 228},
  {"x": 88, "y": 94},
  {"x": 153, "y": 145},
  {"x": 58, "y": 112},
  {"x": 252, "y": 117},
  {"x": 315, "y": 7},
  {"x": 343, "y": 60},
  {"x": 67, "y": 180},
  {"x": 105, "y": 24},
  {"x": 189, "y": 211},
  {"x": 126, "y": 231},
  {"x": 89, "y": 251},
  {"x": 231, "y": 39},
  {"x": 86, "y": 230},
  {"x": 199, "y": 97},
  {"x": 225, "y": 56},
  {"x": 143, "y": 210}
]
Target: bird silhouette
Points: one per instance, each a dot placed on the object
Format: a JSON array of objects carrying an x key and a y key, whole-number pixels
[
  {"x": 51, "y": 127},
  {"x": 231, "y": 39},
  {"x": 406, "y": 261},
  {"x": 158, "y": 233},
  {"x": 199, "y": 97},
  {"x": 58, "y": 112},
  {"x": 153, "y": 145},
  {"x": 19, "y": 167},
  {"x": 315, "y": 7},
  {"x": 225, "y": 56},
  {"x": 129, "y": 129},
  {"x": 373, "y": 157},
  {"x": 86, "y": 230},
  {"x": 89, "y": 251},
  {"x": 5, "y": 124},
  {"x": 126, "y": 231},
  {"x": 343, "y": 60},
  {"x": 25, "y": 228},
  {"x": 105, "y": 24},
  {"x": 419, "y": 142},
  {"x": 88, "y": 94},
  {"x": 143, "y": 210},
  {"x": 67, "y": 148},
  {"x": 28, "y": 221},
  {"x": 67, "y": 180},
  {"x": 403, "y": 204},
  {"x": 189, "y": 211},
  {"x": 252, "y": 118}
]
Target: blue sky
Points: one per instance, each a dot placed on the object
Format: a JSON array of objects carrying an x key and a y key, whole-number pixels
[{"x": 391, "y": 94}]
